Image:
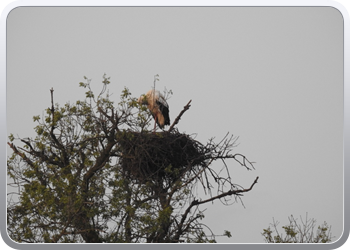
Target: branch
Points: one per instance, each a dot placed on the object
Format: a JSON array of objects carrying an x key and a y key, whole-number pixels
[
  {"x": 65, "y": 159},
  {"x": 100, "y": 160},
  {"x": 196, "y": 203},
  {"x": 231, "y": 192},
  {"x": 179, "y": 116},
  {"x": 110, "y": 118}
]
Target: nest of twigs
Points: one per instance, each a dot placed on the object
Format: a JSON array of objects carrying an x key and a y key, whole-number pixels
[{"x": 159, "y": 156}]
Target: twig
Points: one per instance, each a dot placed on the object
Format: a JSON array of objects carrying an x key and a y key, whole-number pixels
[{"x": 231, "y": 192}]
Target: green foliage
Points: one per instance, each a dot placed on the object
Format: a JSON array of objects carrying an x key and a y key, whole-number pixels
[
  {"x": 11, "y": 137},
  {"x": 303, "y": 232},
  {"x": 68, "y": 184}
]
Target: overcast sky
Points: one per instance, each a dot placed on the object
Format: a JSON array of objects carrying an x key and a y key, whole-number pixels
[{"x": 271, "y": 75}]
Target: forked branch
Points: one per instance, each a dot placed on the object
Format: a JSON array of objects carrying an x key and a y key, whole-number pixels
[
  {"x": 231, "y": 192},
  {"x": 196, "y": 203}
]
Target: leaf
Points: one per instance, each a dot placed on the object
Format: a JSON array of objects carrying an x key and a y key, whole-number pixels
[
  {"x": 227, "y": 233},
  {"x": 36, "y": 118},
  {"x": 11, "y": 137}
]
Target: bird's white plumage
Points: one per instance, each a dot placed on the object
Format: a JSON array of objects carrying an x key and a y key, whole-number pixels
[{"x": 157, "y": 97}]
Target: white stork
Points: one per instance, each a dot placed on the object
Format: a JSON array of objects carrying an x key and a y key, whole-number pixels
[{"x": 158, "y": 106}]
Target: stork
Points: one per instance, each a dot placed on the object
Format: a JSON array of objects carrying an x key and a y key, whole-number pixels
[{"x": 158, "y": 106}]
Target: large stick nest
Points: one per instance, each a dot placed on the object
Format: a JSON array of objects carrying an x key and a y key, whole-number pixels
[{"x": 159, "y": 156}]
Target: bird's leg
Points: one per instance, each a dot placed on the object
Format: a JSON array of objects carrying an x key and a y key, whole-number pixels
[{"x": 155, "y": 124}]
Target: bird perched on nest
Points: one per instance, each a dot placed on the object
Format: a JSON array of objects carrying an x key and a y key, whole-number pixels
[{"x": 158, "y": 106}]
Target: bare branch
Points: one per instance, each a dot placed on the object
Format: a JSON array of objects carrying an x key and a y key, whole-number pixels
[
  {"x": 196, "y": 203},
  {"x": 176, "y": 121},
  {"x": 231, "y": 192}
]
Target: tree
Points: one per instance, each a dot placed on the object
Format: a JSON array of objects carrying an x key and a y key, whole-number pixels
[
  {"x": 303, "y": 232},
  {"x": 96, "y": 173}
]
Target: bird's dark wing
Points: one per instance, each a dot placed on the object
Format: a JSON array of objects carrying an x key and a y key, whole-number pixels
[{"x": 164, "y": 109}]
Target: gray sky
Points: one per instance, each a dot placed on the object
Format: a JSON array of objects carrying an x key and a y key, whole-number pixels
[{"x": 272, "y": 76}]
